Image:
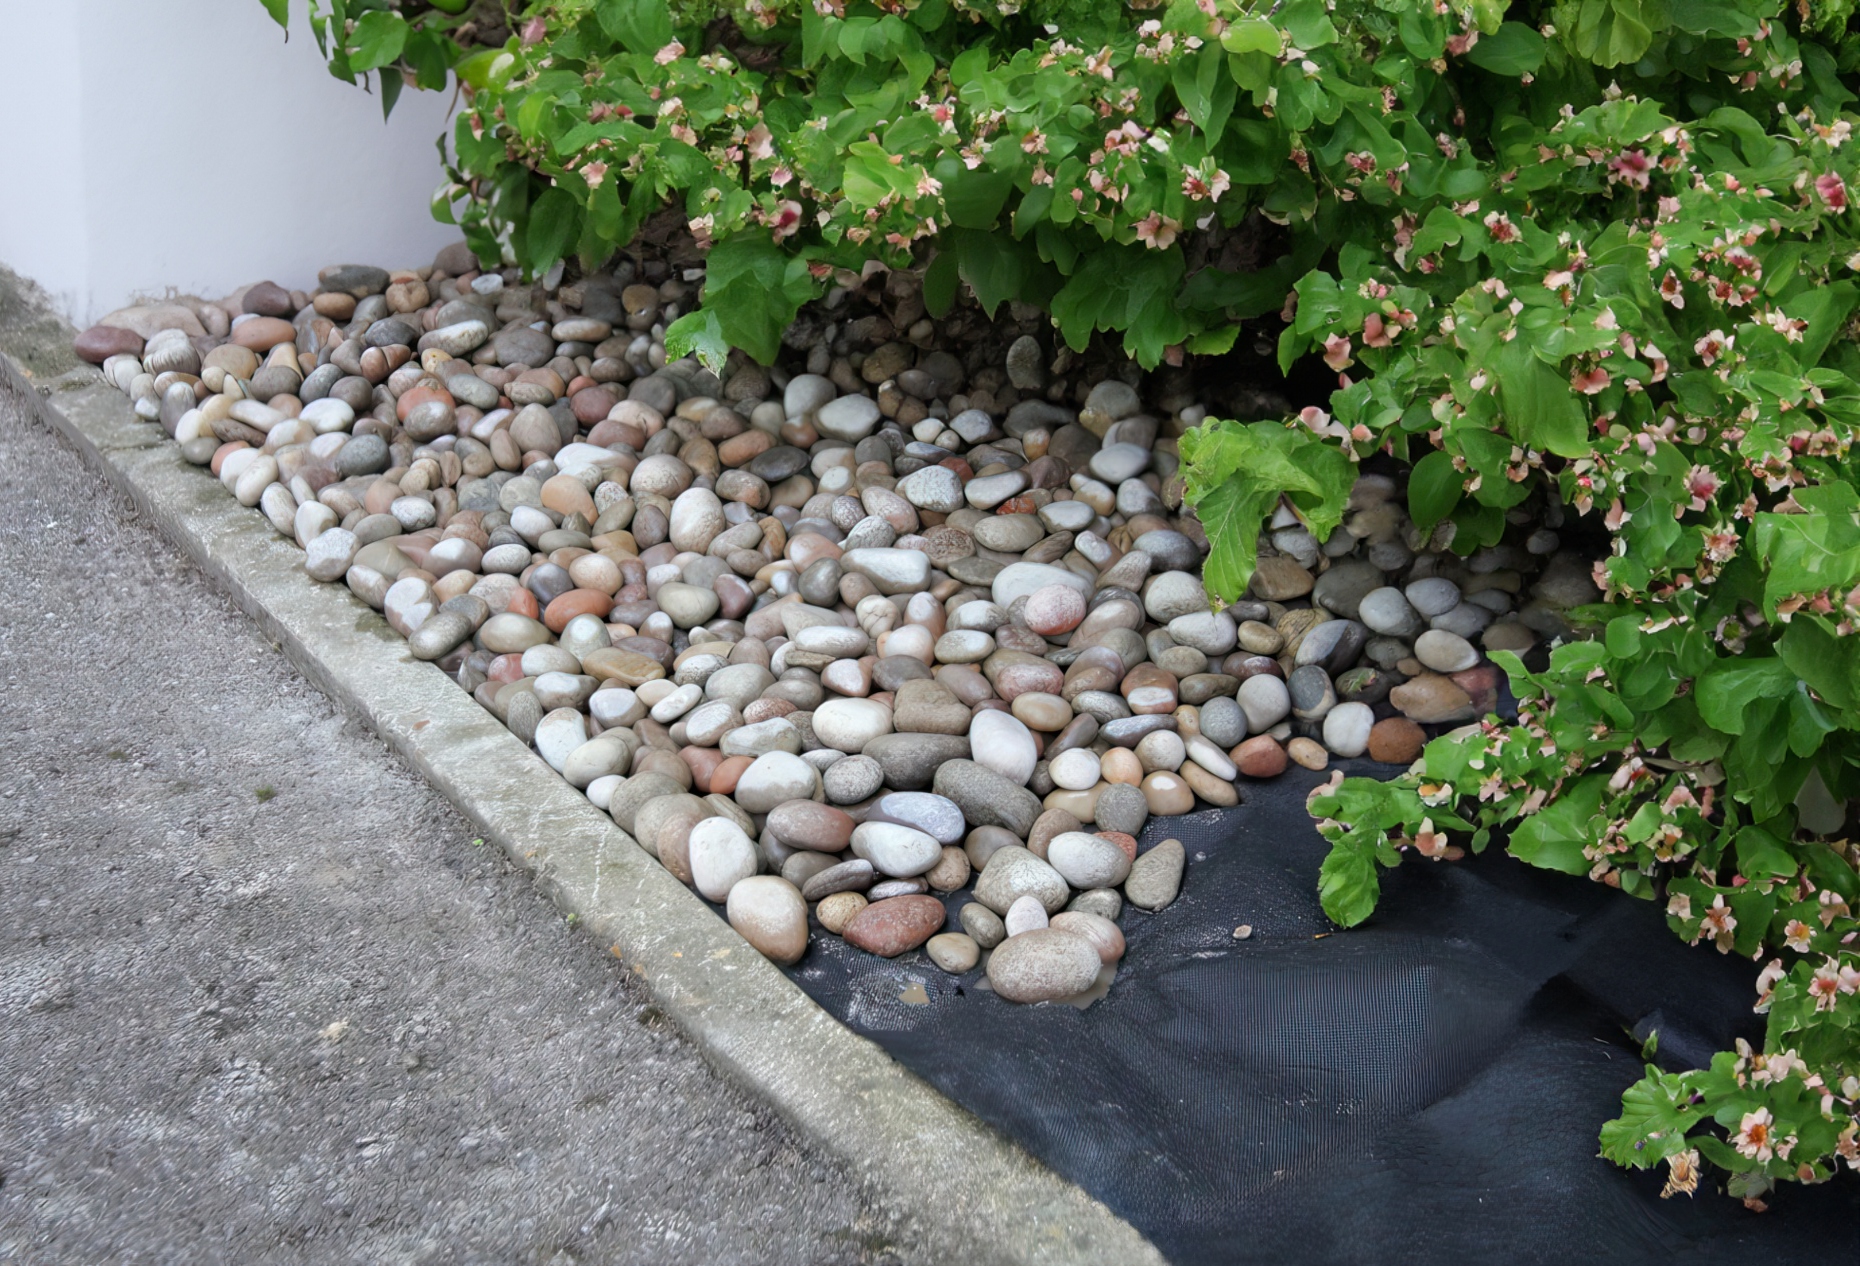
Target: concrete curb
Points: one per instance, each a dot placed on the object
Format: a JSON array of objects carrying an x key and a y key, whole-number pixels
[{"x": 964, "y": 1191}]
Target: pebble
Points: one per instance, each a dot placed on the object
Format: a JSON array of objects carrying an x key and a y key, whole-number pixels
[
  {"x": 1104, "y": 934},
  {"x": 955, "y": 952},
  {"x": 1156, "y": 876},
  {"x": 982, "y": 924},
  {"x": 721, "y": 857},
  {"x": 895, "y": 925},
  {"x": 1347, "y": 728},
  {"x": 769, "y": 913},
  {"x": 1027, "y": 914},
  {"x": 1396, "y": 741},
  {"x": 1043, "y": 965}
]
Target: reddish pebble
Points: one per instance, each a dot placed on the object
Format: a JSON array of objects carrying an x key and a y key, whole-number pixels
[
  {"x": 766, "y": 710},
  {"x": 723, "y": 778},
  {"x": 100, "y": 342},
  {"x": 261, "y": 334},
  {"x": 592, "y": 404},
  {"x": 896, "y": 925},
  {"x": 1260, "y": 757},
  {"x": 523, "y": 602},
  {"x": 1054, "y": 609},
  {"x": 1126, "y": 842},
  {"x": 703, "y": 762},
  {"x": 1396, "y": 741},
  {"x": 573, "y": 603},
  {"x": 505, "y": 668},
  {"x": 1022, "y": 504},
  {"x": 420, "y": 395},
  {"x": 224, "y": 451}
]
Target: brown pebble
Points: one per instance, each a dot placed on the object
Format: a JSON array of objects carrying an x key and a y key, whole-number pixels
[
  {"x": 895, "y": 925},
  {"x": 1396, "y": 741},
  {"x": 1260, "y": 757},
  {"x": 838, "y": 910},
  {"x": 1308, "y": 752}
]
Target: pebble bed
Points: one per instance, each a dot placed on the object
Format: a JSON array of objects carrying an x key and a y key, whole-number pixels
[{"x": 829, "y": 639}]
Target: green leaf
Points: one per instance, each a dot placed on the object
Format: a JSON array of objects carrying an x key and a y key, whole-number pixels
[
  {"x": 698, "y": 332},
  {"x": 1308, "y": 24},
  {"x": 1235, "y": 476},
  {"x": 755, "y": 288},
  {"x": 554, "y": 223},
  {"x": 1655, "y": 1115},
  {"x": 1543, "y": 411},
  {"x": 1623, "y": 638},
  {"x": 1348, "y": 887},
  {"x": 1553, "y": 838},
  {"x": 1433, "y": 489},
  {"x": 1761, "y": 855},
  {"x": 1513, "y": 50},
  {"x": 643, "y": 26},
  {"x": 377, "y": 41},
  {"x": 940, "y": 281},
  {"x": 280, "y": 11},
  {"x": 1726, "y": 692},
  {"x": 391, "y": 84},
  {"x": 1253, "y": 35},
  {"x": 1829, "y": 664}
]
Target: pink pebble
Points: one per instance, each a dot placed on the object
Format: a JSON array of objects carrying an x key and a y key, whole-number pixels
[{"x": 1054, "y": 609}]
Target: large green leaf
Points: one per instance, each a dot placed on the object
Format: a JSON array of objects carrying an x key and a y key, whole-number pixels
[
  {"x": 1347, "y": 885},
  {"x": 701, "y": 333},
  {"x": 377, "y": 40},
  {"x": 1726, "y": 692},
  {"x": 1544, "y": 412},
  {"x": 1513, "y": 50},
  {"x": 643, "y": 26},
  {"x": 1433, "y": 489},
  {"x": 1235, "y": 476},
  {"x": 1553, "y": 838},
  {"x": 554, "y": 224},
  {"x": 754, "y": 288},
  {"x": 1655, "y": 1115}
]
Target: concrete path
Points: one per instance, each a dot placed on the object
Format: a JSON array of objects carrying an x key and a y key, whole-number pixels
[{"x": 262, "y": 1000}]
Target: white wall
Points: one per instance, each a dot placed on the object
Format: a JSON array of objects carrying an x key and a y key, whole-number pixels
[{"x": 157, "y": 144}]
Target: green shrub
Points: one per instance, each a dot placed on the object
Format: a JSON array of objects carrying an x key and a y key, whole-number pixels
[{"x": 1593, "y": 249}]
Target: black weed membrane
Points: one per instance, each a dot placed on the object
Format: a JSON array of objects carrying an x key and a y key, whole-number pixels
[{"x": 1426, "y": 1088}]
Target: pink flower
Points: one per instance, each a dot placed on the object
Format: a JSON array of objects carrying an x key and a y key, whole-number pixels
[
  {"x": 1833, "y": 191},
  {"x": 1670, "y": 291},
  {"x": 1712, "y": 346},
  {"x": 1589, "y": 383},
  {"x": 669, "y": 54},
  {"x": 1718, "y": 923},
  {"x": 1632, "y": 168},
  {"x": 787, "y": 219},
  {"x": 1156, "y": 231},
  {"x": 760, "y": 141},
  {"x": 1825, "y": 987},
  {"x": 1500, "y": 226},
  {"x": 535, "y": 31},
  {"x": 1337, "y": 352},
  {"x": 1796, "y": 935},
  {"x": 1753, "y": 1136},
  {"x": 594, "y": 173},
  {"x": 1701, "y": 485},
  {"x": 1375, "y": 331}
]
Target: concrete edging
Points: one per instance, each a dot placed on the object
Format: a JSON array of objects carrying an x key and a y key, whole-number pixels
[{"x": 962, "y": 1189}]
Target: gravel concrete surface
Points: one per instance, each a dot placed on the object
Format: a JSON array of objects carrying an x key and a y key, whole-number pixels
[{"x": 263, "y": 1000}]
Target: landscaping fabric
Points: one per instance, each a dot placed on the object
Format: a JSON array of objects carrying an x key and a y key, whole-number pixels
[{"x": 1425, "y": 1088}]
